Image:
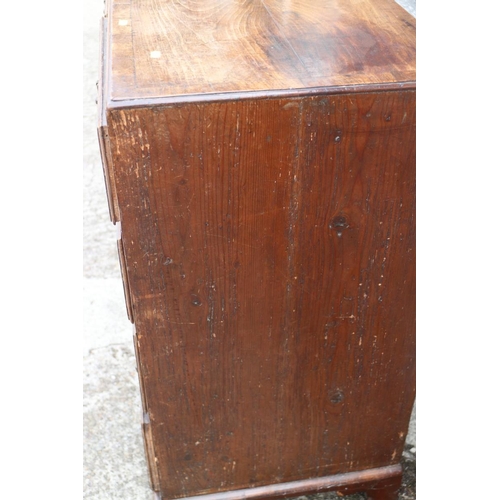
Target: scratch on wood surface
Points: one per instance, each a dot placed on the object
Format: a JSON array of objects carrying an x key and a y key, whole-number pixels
[
  {"x": 283, "y": 34},
  {"x": 345, "y": 317}
]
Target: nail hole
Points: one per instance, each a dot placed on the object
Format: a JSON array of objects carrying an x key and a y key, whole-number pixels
[
  {"x": 337, "y": 396},
  {"x": 195, "y": 300},
  {"x": 339, "y": 222}
]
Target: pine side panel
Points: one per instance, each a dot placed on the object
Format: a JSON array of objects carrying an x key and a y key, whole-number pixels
[{"x": 269, "y": 247}]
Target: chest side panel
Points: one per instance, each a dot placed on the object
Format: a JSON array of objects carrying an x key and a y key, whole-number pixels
[{"x": 269, "y": 247}]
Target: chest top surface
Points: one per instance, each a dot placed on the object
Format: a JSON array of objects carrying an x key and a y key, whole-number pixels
[{"x": 181, "y": 48}]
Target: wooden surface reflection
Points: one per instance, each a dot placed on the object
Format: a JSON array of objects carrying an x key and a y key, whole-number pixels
[{"x": 194, "y": 46}]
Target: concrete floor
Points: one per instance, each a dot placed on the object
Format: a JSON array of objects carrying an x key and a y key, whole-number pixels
[{"x": 114, "y": 463}]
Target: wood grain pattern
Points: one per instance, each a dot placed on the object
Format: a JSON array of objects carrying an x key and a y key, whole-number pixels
[
  {"x": 269, "y": 246},
  {"x": 260, "y": 155},
  {"x": 184, "y": 47}
]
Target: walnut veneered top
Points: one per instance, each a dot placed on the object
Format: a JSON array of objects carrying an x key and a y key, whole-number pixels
[{"x": 175, "y": 48}]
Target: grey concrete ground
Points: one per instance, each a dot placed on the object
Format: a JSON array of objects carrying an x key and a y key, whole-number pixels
[{"x": 114, "y": 463}]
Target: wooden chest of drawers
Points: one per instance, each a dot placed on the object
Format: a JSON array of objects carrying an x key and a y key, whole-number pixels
[{"x": 260, "y": 158}]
